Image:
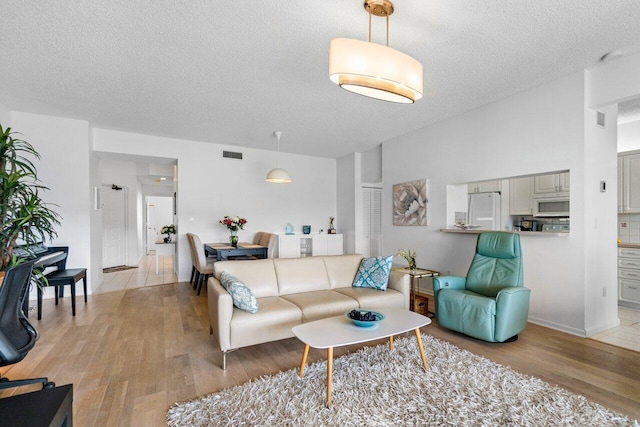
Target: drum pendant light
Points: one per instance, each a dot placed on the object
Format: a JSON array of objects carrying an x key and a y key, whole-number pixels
[
  {"x": 278, "y": 175},
  {"x": 375, "y": 70}
]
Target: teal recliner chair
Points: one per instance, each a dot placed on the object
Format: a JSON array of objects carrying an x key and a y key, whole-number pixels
[{"x": 490, "y": 303}]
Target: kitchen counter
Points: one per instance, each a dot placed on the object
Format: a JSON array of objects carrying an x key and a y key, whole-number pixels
[
  {"x": 629, "y": 245},
  {"x": 523, "y": 233}
]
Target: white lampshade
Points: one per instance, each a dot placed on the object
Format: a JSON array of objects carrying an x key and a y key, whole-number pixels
[
  {"x": 278, "y": 176},
  {"x": 375, "y": 71}
]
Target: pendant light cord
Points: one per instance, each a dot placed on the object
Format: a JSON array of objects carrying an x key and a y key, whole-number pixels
[{"x": 387, "y": 16}]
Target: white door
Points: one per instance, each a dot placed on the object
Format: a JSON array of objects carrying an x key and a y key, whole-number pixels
[{"x": 114, "y": 227}]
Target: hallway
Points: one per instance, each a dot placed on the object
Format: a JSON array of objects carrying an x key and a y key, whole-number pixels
[
  {"x": 142, "y": 276},
  {"x": 627, "y": 335}
]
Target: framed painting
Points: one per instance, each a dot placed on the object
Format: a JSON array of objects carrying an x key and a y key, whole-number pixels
[{"x": 410, "y": 203}]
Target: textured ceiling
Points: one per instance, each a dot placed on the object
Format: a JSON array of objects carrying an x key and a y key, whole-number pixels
[
  {"x": 629, "y": 111},
  {"x": 232, "y": 72}
]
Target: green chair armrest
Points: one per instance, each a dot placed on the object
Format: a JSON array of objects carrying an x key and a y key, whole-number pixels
[
  {"x": 448, "y": 282},
  {"x": 512, "y": 311}
]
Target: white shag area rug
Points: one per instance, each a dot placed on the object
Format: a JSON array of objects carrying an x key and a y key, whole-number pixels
[{"x": 378, "y": 387}]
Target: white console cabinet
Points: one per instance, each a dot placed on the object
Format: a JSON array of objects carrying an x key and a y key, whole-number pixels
[{"x": 300, "y": 245}]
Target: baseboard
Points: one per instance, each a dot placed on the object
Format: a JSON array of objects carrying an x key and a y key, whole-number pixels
[
  {"x": 558, "y": 327},
  {"x": 612, "y": 324},
  {"x": 629, "y": 304}
]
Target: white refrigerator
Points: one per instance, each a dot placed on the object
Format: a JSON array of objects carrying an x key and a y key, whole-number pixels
[{"x": 484, "y": 210}]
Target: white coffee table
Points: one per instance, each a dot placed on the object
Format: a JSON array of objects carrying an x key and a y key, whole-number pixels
[{"x": 339, "y": 331}]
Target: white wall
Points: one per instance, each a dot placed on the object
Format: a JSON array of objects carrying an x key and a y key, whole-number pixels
[
  {"x": 5, "y": 117},
  {"x": 613, "y": 82},
  {"x": 601, "y": 312},
  {"x": 629, "y": 136},
  {"x": 210, "y": 187},
  {"x": 511, "y": 137},
  {"x": 64, "y": 147},
  {"x": 372, "y": 165},
  {"x": 349, "y": 198},
  {"x": 95, "y": 221}
]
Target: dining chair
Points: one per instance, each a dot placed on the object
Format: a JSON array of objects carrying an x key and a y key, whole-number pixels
[
  {"x": 269, "y": 240},
  {"x": 257, "y": 237},
  {"x": 193, "y": 259},
  {"x": 204, "y": 267}
]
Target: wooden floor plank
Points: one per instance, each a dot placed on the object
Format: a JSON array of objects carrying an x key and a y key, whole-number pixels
[{"x": 132, "y": 354}]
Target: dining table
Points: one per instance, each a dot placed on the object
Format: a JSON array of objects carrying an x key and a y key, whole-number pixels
[{"x": 243, "y": 250}]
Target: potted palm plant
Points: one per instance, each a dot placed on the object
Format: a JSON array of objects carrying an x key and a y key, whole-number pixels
[{"x": 24, "y": 214}]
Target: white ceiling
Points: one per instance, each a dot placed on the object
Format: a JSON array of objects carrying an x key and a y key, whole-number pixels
[
  {"x": 232, "y": 72},
  {"x": 629, "y": 111}
]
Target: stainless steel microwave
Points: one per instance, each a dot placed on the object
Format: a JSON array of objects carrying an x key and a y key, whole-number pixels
[{"x": 552, "y": 207}]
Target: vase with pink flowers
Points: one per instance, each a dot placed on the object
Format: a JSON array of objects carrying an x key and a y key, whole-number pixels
[{"x": 233, "y": 224}]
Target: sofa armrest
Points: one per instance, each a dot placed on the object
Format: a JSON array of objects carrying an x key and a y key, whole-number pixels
[
  {"x": 220, "y": 312},
  {"x": 400, "y": 282}
]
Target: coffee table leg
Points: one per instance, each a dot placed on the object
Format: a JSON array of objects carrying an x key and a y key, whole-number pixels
[
  {"x": 329, "y": 371},
  {"x": 391, "y": 343},
  {"x": 424, "y": 359},
  {"x": 304, "y": 359}
]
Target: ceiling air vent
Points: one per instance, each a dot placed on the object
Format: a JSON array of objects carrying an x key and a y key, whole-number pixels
[{"x": 232, "y": 155}]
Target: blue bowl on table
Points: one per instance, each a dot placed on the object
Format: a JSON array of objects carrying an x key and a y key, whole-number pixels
[{"x": 360, "y": 318}]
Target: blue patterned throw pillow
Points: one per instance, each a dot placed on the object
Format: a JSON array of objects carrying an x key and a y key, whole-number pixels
[
  {"x": 241, "y": 295},
  {"x": 374, "y": 273}
]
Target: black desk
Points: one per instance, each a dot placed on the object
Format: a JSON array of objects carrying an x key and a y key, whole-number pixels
[
  {"x": 224, "y": 251},
  {"x": 49, "y": 407}
]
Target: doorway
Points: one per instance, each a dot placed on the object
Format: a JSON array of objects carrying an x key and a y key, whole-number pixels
[
  {"x": 114, "y": 226},
  {"x": 159, "y": 214}
]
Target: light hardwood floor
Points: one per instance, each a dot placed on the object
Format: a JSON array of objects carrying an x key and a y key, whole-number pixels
[{"x": 131, "y": 354}]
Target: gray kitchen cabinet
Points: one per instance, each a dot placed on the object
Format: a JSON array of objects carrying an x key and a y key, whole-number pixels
[
  {"x": 521, "y": 196},
  {"x": 629, "y": 276},
  {"x": 552, "y": 185},
  {"x": 484, "y": 186},
  {"x": 630, "y": 183},
  {"x": 620, "y": 183}
]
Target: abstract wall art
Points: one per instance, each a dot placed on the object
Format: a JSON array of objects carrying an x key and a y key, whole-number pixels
[{"x": 410, "y": 203}]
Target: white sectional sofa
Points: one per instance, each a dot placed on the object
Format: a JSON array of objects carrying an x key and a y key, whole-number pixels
[{"x": 292, "y": 291}]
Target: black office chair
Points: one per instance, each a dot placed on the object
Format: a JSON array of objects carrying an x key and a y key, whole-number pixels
[{"x": 17, "y": 335}]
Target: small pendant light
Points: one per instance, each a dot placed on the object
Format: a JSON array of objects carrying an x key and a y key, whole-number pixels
[{"x": 278, "y": 175}]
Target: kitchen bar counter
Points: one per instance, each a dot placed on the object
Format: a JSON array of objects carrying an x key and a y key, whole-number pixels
[
  {"x": 629, "y": 245},
  {"x": 523, "y": 233}
]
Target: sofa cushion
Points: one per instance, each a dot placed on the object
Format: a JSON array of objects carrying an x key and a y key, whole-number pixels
[
  {"x": 321, "y": 304},
  {"x": 374, "y": 273},
  {"x": 373, "y": 298},
  {"x": 273, "y": 322},
  {"x": 241, "y": 295},
  {"x": 342, "y": 269},
  {"x": 258, "y": 275},
  {"x": 297, "y": 275}
]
